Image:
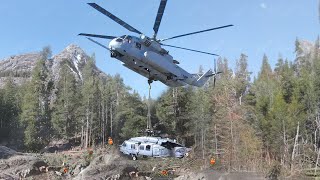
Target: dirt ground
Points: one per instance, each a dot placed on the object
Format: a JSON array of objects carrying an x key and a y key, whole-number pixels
[{"x": 107, "y": 163}]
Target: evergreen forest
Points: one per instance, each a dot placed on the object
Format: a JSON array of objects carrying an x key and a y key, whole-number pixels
[{"x": 248, "y": 122}]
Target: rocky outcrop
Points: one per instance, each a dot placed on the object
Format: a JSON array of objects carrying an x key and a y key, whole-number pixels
[
  {"x": 20, "y": 166},
  {"x": 74, "y": 56},
  {"x": 19, "y": 63},
  {"x": 6, "y": 152},
  {"x": 19, "y": 67}
]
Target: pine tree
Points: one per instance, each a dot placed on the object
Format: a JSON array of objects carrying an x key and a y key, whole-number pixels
[
  {"x": 172, "y": 111},
  {"x": 242, "y": 77},
  {"x": 11, "y": 111},
  {"x": 132, "y": 116},
  {"x": 91, "y": 102},
  {"x": 35, "y": 107},
  {"x": 66, "y": 113}
]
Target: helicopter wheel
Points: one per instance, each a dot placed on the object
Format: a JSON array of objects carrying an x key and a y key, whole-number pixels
[
  {"x": 114, "y": 54},
  {"x": 134, "y": 157}
]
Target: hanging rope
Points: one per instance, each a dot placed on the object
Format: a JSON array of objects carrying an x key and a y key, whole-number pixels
[{"x": 149, "y": 107}]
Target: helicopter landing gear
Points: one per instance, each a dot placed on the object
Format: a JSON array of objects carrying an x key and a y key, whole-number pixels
[
  {"x": 134, "y": 157},
  {"x": 114, "y": 54},
  {"x": 149, "y": 82}
]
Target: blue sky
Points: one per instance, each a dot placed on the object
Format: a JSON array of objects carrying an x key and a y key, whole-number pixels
[{"x": 261, "y": 26}]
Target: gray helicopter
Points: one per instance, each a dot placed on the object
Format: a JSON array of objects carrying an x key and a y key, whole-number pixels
[
  {"x": 145, "y": 55},
  {"x": 147, "y": 146}
]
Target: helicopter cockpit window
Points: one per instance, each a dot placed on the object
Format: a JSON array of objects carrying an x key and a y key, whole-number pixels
[
  {"x": 119, "y": 40},
  {"x": 138, "y": 45},
  {"x": 148, "y": 147},
  {"x": 128, "y": 39},
  {"x": 133, "y": 146}
]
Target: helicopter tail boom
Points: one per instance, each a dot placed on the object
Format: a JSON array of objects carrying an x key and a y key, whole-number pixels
[{"x": 204, "y": 78}]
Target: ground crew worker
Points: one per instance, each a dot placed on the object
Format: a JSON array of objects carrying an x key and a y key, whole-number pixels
[
  {"x": 212, "y": 161},
  {"x": 65, "y": 170},
  {"x": 110, "y": 141}
]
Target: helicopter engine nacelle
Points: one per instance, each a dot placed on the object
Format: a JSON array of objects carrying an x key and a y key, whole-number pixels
[{"x": 153, "y": 44}]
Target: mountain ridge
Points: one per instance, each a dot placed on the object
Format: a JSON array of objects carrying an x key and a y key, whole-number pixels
[{"x": 19, "y": 67}]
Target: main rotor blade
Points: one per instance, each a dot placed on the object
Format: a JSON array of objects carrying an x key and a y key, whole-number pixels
[
  {"x": 97, "y": 36},
  {"x": 197, "y": 32},
  {"x": 114, "y": 18},
  {"x": 99, "y": 44},
  {"x": 157, "y": 22},
  {"x": 190, "y": 49},
  {"x": 215, "y": 65}
]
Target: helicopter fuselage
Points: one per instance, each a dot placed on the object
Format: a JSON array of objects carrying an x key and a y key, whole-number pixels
[{"x": 146, "y": 57}]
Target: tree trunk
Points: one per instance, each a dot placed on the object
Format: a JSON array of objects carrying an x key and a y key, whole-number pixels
[
  {"x": 285, "y": 143},
  {"x": 216, "y": 140},
  {"x": 106, "y": 120},
  {"x": 202, "y": 142},
  {"x": 294, "y": 147},
  {"x": 102, "y": 123},
  {"x": 315, "y": 139},
  {"x": 231, "y": 149},
  {"x": 317, "y": 162},
  {"x": 82, "y": 135},
  {"x": 87, "y": 130},
  {"x": 90, "y": 131},
  {"x": 111, "y": 120}
]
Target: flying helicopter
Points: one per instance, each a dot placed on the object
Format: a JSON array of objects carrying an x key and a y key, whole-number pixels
[{"x": 146, "y": 56}]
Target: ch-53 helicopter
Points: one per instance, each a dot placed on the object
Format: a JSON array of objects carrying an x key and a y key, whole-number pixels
[{"x": 145, "y": 56}]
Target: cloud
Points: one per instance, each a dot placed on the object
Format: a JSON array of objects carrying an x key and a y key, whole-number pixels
[{"x": 263, "y": 6}]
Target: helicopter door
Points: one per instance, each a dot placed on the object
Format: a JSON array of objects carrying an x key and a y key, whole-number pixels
[
  {"x": 148, "y": 150},
  {"x": 156, "y": 151},
  {"x": 145, "y": 150}
]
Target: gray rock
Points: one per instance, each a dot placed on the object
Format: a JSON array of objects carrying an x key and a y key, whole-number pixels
[
  {"x": 108, "y": 166},
  {"x": 22, "y": 166},
  {"x": 6, "y": 152},
  {"x": 21, "y": 66}
]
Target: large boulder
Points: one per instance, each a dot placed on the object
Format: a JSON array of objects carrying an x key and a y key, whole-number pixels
[
  {"x": 49, "y": 149},
  {"x": 21, "y": 166},
  {"x": 6, "y": 152},
  {"x": 108, "y": 166},
  {"x": 57, "y": 146}
]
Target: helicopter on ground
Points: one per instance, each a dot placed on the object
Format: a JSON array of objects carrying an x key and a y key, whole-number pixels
[
  {"x": 147, "y": 146},
  {"x": 145, "y": 55}
]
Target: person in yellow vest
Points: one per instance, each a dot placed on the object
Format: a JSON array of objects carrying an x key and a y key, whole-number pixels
[{"x": 110, "y": 141}]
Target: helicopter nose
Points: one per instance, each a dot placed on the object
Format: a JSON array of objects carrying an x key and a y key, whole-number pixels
[{"x": 115, "y": 44}]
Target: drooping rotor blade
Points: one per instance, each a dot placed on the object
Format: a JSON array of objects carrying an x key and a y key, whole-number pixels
[
  {"x": 190, "y": 49},
  {"x": 215, "y": 66},
  {"x": 197, "y": 32},
  {"x": 114, "y": 18},
  {"x": 99, "y": 44},
  {"x": 97, "y": 36},
  {"x": 159, "y": 17}
]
